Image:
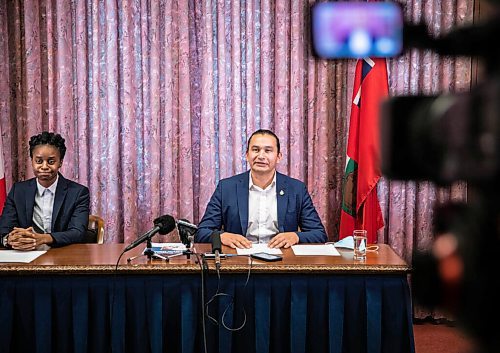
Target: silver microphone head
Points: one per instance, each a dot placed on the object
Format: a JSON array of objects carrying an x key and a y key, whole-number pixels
[{"x": 186, "y": 224}]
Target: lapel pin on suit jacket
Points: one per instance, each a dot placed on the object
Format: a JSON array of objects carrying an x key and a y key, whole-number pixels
[{"x": 282, "y": 192}]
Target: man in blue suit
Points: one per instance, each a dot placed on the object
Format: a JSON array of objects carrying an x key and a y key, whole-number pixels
[
  {"x": 262, "y": 205},
  {"x": 48, "y": 210}
]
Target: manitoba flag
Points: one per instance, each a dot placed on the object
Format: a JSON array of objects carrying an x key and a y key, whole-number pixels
[
  {"x": 2, "y": 176},
  {"x": 360, "y": 206}
]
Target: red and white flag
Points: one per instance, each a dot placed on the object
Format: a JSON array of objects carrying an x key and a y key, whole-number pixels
[
  {"x": 360, "y": 206},
  {"x": 3, "y": 191}
]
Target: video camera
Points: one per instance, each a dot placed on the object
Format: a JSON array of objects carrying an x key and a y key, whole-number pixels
[
  {"x": 444, "y": 139},
  {"x": 449, "y": 137}
]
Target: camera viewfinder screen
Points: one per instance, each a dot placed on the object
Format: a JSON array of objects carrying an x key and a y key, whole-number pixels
[{"x": 357, "y": 29}]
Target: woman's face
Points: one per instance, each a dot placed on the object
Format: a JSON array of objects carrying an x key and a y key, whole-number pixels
[{"x": 46, "y": 162}]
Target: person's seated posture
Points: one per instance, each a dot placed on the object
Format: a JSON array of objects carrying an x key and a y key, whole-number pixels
[
  {"x": 261, "y": 205},
  {"x": 48, "y": 210}
]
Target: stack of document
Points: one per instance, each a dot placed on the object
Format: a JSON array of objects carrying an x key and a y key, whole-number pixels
[{"x": 167, "y": 249}]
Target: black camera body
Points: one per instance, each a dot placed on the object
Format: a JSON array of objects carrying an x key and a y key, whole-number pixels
[
  {"x": 449, "y": 137},
  {"x": 442, "y": 139},
  {"x": 445, "y": 139}
]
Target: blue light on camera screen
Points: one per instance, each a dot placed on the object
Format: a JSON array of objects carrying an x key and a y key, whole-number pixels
[{"x": 356, "y": 30}]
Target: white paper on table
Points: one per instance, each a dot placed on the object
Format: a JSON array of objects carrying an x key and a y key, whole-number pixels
[
  {"x": 19, "y": 256},
  {"x": 258, "y": 248},
  {"x": 324, "y": 250}
]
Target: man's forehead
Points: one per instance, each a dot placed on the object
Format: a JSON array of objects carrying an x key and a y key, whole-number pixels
[
  {"x": 263, "y": 141},
  {"x": 262, "y": 145}
]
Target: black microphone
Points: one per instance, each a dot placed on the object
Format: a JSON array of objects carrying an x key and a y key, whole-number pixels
[
  {"x": 186, "y": 231},
  {"x": 186, "y": 224},
  {"x": 216, "y": 247},
  {"x": 163, "y": 225}
]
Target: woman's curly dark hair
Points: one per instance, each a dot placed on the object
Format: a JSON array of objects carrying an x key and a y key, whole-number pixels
[{"x": 48, "y": 138}]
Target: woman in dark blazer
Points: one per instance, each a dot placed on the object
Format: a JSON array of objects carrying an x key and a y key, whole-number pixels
[{"x": 48, "y": 210}]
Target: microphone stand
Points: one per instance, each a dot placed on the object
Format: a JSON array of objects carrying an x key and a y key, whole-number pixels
[
  {"x": 148, "y": 252},
  {"x": 189, "y": 247},
  {"x": 188, "y": 242},
  {"x": 187, "y": 238}
]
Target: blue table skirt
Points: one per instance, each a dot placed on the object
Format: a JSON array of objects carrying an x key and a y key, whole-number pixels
[{"x": 163, "y": 313}]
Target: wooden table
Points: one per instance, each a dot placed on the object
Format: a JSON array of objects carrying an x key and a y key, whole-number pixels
[
  {"x": 77, "y": 299},
  {"x": 102, "y": 258}
]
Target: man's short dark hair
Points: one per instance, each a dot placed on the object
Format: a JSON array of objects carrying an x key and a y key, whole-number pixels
[
  {"x": 264, "y": 132},
  {"x": 48, "y": 138}
]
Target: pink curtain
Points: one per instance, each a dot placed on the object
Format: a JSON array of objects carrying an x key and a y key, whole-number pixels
[{"x": 156, "y": 100}]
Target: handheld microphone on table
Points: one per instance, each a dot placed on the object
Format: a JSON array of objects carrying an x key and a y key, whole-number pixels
[
  {"x": 216, "y": 247},
  {"x": 184, "y": 223},
  {"x": 163, "y": 225},
  {"x": 187, "y": 231}
]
